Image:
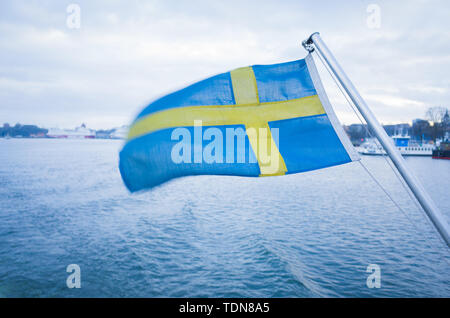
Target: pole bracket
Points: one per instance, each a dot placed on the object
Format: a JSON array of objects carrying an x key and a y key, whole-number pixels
[
  {"x": 308, "y": 47},
  {"x": 308, "y": 43}
]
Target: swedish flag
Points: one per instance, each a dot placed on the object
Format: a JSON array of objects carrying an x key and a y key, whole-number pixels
[{"x": 262, "y": 120}]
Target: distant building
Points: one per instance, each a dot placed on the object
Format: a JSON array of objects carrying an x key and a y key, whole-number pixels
[
  {"x": 103, "y": 134},
  {"x": 398, "y": 129},
  {"x": 120, "y": 133},
  {"x": 115, "y": 133},
  {"x": 357, "y": 133}
]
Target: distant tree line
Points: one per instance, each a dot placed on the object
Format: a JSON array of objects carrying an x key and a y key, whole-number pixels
[
  {"x": 19, "y": 130},
  {"x": 435, "y": 126}
]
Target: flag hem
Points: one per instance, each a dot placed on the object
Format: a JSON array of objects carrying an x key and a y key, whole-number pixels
[{"x": 352, "y": 153}]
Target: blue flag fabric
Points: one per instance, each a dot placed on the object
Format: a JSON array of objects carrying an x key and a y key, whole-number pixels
[{"x": 262, "y": 120}]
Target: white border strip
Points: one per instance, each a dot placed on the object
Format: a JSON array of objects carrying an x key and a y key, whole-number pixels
[{"x": 329, "y": 109}]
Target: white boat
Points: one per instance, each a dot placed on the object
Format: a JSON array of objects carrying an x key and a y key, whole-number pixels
[
  {"x": 403, "y": 144},
  {"x": 78, "y": 133}
]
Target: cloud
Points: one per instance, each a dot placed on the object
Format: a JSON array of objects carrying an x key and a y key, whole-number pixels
[
  {"x": 394, "y": 101},
  {"x": 128, "y": 52}
]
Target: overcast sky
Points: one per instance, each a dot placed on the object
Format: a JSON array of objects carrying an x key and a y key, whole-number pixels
[{"x": 127, "y": 53}]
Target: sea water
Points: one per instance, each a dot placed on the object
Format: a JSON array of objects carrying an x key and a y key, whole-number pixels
[{"x": 313, "y": 234}]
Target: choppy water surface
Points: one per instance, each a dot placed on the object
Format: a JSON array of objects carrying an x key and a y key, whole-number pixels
[{"x": 307, "y": 235}]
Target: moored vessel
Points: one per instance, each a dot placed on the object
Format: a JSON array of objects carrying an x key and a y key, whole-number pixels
[{"x": 402, "y": 143}]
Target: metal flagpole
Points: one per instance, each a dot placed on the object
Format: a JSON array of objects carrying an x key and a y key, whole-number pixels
[{"x": 436, "y": 217}]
